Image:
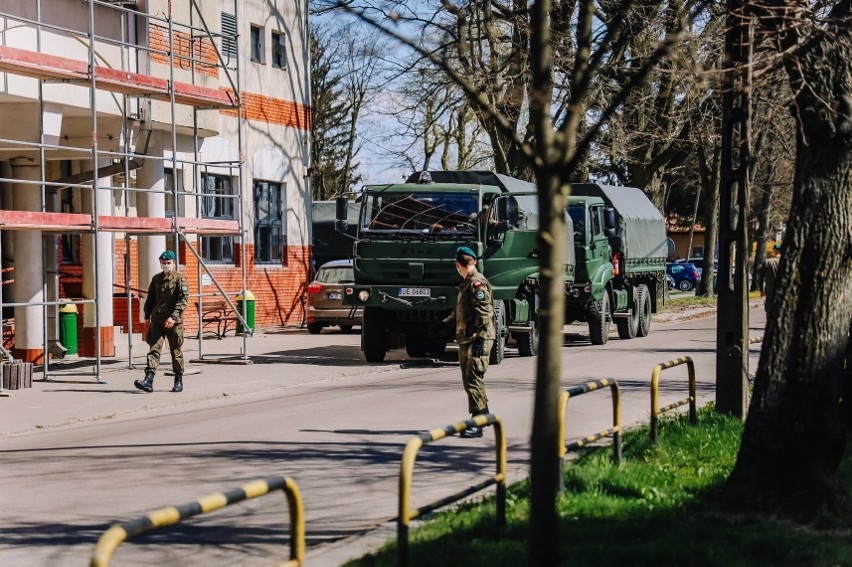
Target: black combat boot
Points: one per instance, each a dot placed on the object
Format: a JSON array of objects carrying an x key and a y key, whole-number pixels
[
  {"x": 178, "y": 387},
  {"x": 147, "y": 384}
]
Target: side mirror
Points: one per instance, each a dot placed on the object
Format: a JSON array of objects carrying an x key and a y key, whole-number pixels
[
  {"x": 342, "y": 214},
  {"x": 507, "y": 211},
  {"x": 609, "y": 222}
]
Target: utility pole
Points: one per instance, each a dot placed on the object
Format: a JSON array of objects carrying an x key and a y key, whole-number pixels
[{"x": 732, "y": 328}]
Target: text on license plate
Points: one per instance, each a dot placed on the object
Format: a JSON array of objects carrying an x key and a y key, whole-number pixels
[
  {"x": 338, "y": 295},
  {"x": 415, "y": 292}
]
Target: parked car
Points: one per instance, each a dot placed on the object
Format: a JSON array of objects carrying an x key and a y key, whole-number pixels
[
  {"x": 685, "y": 275},
  {"x": 325, "y": 298},
  {"x": 670, "y": 282},
  {"x": 699, "y": 263}
]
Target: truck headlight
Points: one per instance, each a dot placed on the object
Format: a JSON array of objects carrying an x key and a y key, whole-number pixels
[{"x": 363, "y": 295}]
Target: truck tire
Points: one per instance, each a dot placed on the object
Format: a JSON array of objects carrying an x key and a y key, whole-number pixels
[
  {"x": 629, "y": 326},
  {"x": 498, "y": 351},
  {"x": 374, "y": 336},
  {"x": 528, "y": 342},
  {"x": 599, "y": 319},
  {"x": 435, "y": 347},
  {"x": 314, "y": 328},
  {"x": 415, "y": 346},
  {"x": 644, "y": 311}
]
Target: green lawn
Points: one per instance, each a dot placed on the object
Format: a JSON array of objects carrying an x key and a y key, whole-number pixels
[{"x": 657, "y": 508}]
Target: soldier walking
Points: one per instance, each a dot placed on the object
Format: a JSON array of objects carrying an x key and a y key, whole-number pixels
[
  {"x": 473, "y": 319},
  {"x": 164, "y": 306}
]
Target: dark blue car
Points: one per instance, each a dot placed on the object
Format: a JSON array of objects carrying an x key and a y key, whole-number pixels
[{"x": 685, "y": 275}]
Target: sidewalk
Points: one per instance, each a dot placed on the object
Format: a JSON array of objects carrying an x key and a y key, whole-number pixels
[
  {"x": 73, "y": 379},
  {"x": 65, "y": 399}
]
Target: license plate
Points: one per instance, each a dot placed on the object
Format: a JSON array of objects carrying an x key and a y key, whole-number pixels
[
  {"x": 334, "y": 296},
  {"x": 415, "y": 292}
]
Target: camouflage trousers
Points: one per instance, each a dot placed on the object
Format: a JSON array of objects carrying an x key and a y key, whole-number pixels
[
  {"x": 473, "y": 376},
  {"x": 157, "y": 334}
]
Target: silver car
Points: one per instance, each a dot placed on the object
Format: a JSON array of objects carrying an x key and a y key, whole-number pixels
[{"x": 325, "y": 298}]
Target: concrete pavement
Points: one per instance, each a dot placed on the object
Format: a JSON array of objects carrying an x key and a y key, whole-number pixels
[{"x": 71, "y": 402}]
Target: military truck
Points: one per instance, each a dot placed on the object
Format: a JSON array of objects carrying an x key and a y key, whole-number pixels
[
  {"x": 328, "y": 243},
  {"x": 406, "y": 242},
  {"x": 620, "y": 244}
]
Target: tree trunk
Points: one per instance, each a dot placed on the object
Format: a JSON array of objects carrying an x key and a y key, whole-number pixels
[
  {"x": 544, "y": 467},
  {"x": 794, "y": 437},
  {"x": 710, "y": 177}
]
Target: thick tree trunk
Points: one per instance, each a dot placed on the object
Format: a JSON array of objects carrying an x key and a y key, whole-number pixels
[
  {"x": 544, "y": 468},
  {"x": 710, "y": 177},
  {"x": 794, "y": 437}
]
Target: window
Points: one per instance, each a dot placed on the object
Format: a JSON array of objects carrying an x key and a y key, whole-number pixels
[
  {"x": 217, "y": 202},
  {"x": 279, "y": 51},
  {"x": 229, "y": 35},
  {"x": 169, "y": 180},
  {"x": 268, "y": 225},
  {"x": 257, "y": 46}
]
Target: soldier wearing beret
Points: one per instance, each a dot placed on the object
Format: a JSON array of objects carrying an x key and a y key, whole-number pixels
[
  {"x": 164, "y": 306},
  {"x": 473, "y": 320}
]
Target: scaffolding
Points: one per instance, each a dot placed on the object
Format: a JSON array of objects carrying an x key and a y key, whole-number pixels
[{"x": 128, "y": 89}]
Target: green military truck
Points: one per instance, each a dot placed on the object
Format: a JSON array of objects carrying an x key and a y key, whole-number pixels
[
  {"x": 403, "y": 256},
  {"x": 620, "y": 244}
]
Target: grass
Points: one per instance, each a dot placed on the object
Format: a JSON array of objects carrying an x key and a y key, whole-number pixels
[
  {"x": 680, "y": 302},
  {"x": 659, "y": 507}
]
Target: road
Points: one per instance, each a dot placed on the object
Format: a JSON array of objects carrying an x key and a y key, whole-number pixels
[{"x": 333, "y": 423}]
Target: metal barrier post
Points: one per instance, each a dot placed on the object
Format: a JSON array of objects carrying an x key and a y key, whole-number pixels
[
  {"x": 655, "y": 393},
  {"x": 406, "y": 471},
  {"x": 614, "y": 431},
  {"x": 116, "y": 535}
]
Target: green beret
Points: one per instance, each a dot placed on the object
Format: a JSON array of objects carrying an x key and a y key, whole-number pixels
[
  {"x": 167, "y": 255},
  {"x": 466, "y": 251}
]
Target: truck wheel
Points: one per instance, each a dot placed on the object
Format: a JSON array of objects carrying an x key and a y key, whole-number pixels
[
  {"x": 346, "y": 328},
  {"x": 314, "y": 328},
  {"x": 528, "y": 342},
  {"x": 435, "y": 347},
  {"x": 629, "y": 326},
  {"x": 415, "y": 346},
  {"x": 374, "y": 336},
  {"x": 599, "y": 319},
  {"x": 498, "y": 351},
  {"x": 644, "y": 311}
]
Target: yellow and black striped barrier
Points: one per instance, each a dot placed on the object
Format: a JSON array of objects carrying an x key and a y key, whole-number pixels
[
  {"x": 655, "y": 393},
  {"x": 614, "y": 431},
  {"x": 116, "y": 535},
  {"x": 407, "y": 471}
]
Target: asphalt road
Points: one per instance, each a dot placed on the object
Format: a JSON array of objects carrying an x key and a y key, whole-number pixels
[{"x": 336, "y": 425}]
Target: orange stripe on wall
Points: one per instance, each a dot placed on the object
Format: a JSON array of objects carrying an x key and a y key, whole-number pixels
[
  {"x": 273, "y": 111},
  {"x": 199, "y": 48}
]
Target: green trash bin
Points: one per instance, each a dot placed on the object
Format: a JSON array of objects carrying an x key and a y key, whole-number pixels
[
  {"x": 249, "y": 298},
  {"x": 68, "y": 327}
]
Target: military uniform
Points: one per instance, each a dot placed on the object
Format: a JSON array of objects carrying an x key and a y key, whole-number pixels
[
  {"x": 473, "y": 319},
  {"x": 167, "y": 297}
]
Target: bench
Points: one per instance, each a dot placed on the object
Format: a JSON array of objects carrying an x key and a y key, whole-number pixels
[{"x": 216, "y": 313}]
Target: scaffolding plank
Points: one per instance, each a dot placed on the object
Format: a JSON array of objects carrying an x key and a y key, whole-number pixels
[
  {"x": 54, "y": 67},
  {"x": 30, "y": 220},
  {"x": 74, "y": 222}
]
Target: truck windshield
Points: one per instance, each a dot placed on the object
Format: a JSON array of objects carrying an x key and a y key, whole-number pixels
[
  {"x": 420, "y": 213},
  {"x": 578, "y": 217}
]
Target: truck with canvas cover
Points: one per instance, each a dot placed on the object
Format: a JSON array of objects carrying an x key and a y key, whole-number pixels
[
  {"x": 620, "y": 244},
  {"x": 405, "y": 277}
]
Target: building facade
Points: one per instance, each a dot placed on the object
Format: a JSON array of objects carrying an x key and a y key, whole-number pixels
[{"x": 184, "y": 125}]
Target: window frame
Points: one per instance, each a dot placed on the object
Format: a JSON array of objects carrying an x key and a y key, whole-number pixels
[
  {"x": 279, "y": 50},
  {"x": 217, "y": 249},
  {"x": 257, "y": 44},
  {"x": 273, "y": 224}
]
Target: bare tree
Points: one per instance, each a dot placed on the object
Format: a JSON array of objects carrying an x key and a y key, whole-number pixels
[
  {"x": 549, "y": 147},
  {"x": 795, "y": 436}
]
